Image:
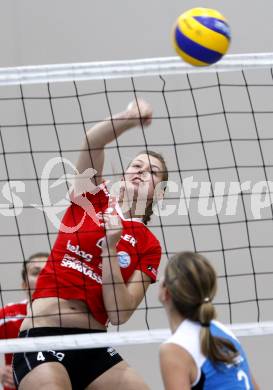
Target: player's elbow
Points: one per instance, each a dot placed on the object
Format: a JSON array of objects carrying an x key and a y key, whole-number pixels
[
  {"x": 117, "y": 321},
  {"x": 119, "y": 318}
]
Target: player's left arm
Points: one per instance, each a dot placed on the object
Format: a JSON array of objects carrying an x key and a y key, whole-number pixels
[
  {"x": 120, "y": 298},
  {"x": 176, "y": 367}
]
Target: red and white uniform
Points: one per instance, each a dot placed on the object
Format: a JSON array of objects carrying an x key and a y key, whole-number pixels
[
  {"x": 74, "y": 267},
  {"x": 11, "y": 317}
]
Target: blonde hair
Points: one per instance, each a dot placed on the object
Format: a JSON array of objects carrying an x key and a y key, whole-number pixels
[{"x": 191, "y": 282}]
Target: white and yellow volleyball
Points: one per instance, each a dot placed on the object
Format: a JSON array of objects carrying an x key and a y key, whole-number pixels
[{"x": 201, "y": 36}]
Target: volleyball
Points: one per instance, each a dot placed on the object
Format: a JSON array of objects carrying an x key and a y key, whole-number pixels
[{"x": 201, "y": 36}]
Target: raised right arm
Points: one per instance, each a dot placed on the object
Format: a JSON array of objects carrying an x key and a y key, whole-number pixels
[{"x": 92, "y": 152}]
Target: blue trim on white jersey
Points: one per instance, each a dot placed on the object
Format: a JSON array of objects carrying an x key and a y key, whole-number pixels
[{"x": 210, "y": 376}]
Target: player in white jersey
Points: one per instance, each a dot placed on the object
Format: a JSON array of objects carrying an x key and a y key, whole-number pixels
[{"x": 201, "y": 353}]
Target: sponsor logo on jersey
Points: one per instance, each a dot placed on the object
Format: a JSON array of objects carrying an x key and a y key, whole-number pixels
[
  {"x": 77, "y": 250},
  {"x": 152, "y": 270},
  {"x": 68, "y": 257},
  {"x": 125, "y": 237},
  {"x": 80, "y": 267},
  {"x": 111, "y": 351},
  {"x": 130, "y": 239},
  {"x": 124, "y": 259}
]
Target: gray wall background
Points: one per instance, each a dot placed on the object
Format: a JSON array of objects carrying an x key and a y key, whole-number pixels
[{"x": 34, "y": 32}]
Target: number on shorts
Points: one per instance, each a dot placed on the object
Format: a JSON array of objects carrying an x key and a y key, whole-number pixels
[
  {"x": 242, "y": 376},
  {"x": 40, "y": 356}
]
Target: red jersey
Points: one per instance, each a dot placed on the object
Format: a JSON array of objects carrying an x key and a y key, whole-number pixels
[
  {"x": 11, "y": 317},
  {"x": 74, "y": 267}
]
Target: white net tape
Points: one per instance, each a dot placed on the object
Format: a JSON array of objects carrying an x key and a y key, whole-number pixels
[
  {"x": 115, "y": 339},
  {"x": 120, "y": 69}
]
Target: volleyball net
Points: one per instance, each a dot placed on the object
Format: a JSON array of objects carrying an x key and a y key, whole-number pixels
[{"x": 214, "y": 128}]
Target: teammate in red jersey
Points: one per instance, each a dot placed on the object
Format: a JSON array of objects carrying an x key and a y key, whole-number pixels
[
  {"x": 100, "y": 270},
  {"x": 12, "y": 315}
]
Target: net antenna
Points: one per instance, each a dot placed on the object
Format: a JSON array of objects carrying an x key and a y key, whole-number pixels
[{"x": 213, "y": 126}]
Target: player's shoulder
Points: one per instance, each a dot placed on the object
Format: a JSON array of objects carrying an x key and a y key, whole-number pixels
[
  {"x": 150, "y": 239},
  {"x": 187, "y": 336},
  {"x": 172, "y": 352},
  {"x": 147, "y": 233},
  {"x": 187, "y": 330},
  {"x": 136, "y": 226},
  {"x": 148, "y": 230}
]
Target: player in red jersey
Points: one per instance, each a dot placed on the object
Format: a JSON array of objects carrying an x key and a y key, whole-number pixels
[
  {"x": 100, "y": 270},
  {"x": 12, "y": 315}
]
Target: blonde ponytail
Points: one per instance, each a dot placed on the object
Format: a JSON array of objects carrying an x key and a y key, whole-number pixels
[
  {"x": 191, "y": 281},
  {"x": 218, "y": 350}
]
